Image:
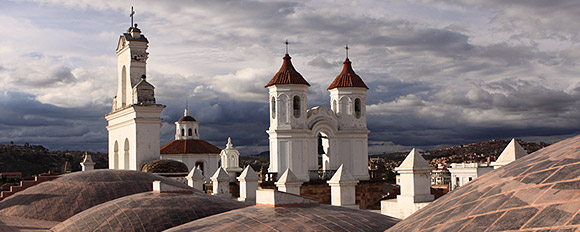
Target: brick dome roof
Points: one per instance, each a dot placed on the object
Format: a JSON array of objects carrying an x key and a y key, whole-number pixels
[
  {"x": 287, "y": 75},
  {"x": 165, "y": 166},
  {"x": 347, "y": 78},
  {"x": 540, "y": 191}
]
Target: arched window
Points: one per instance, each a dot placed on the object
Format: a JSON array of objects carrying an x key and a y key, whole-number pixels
[
  {"x": 296, "y": 104},
  {"x": 334, "y": 106},
  {"x": 195, "y": 131},
  {"x": 273, "y": 103},
  {"x": 126, "y": 155},
  {"x": 189, "y": 132},
  {"x": 123, "y": 86},
  {"x": 357, "y": 108},
  {"x": 116, "y": 155},
  {"x": 182, "y": 132}
]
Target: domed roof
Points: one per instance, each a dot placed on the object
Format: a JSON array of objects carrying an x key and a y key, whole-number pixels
[
  {"x": 540, "y": 191},
  {"x": 165, "y": 166},
  {"x": 148, "y": 212},
  {"x": 294, "y": 218},
  {"x": 72, "y": 193},
  {"x": 347, "y": 78},
  {"x": 186, "y": 119},
  {"x": 287, "y": 74}
]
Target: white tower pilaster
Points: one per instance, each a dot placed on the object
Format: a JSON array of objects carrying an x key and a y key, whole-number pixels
[
  {"x": 248, "y": 184},
  {"x": 415, "y": 175}
]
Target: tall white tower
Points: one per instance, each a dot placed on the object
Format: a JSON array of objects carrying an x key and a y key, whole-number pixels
[
  {"x": 288, "y": 132},
  {"x": 348, "y": 101},
  {"x": 134, "y": 123}
]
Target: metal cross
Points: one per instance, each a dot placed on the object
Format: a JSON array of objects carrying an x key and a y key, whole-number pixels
[
  {"x": 131, "y": 15},
  {"x": 286, "y": 46},
  {"x": 346, "y": 47}
]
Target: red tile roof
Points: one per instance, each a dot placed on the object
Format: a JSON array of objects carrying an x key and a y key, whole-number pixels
[
  {"x": 189, "y": 146},
  {"x": 347, "y": 78},
  {"x": 287, "y": 75}
]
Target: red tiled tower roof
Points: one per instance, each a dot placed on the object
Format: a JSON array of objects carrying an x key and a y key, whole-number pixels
[
  {"x": 189, "y": 146},
  {"x": 347, "y": 78},
  {"x": 287, "y": 75}
]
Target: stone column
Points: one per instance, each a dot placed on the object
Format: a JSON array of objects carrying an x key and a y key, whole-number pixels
[
  {"x": 342, "y": 188},
  {"x": 248, "y": 184},
  {"x": 289, "y": 183},
  {"x": 195, "y": 179},
  {"x": 221, "y": 183}
]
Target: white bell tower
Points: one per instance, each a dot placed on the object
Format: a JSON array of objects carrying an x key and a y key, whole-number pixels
[
  {"x": 289, "y": 137},
  {"x": 348, "y": 101},
  {"x": 134, "y": 123}
]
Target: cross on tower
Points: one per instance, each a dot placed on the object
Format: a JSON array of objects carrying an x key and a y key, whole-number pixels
[
  {"x": 346, "y": 47},
  {"x": 286, "y": 46},
  {"x": 131, "y": 15}
]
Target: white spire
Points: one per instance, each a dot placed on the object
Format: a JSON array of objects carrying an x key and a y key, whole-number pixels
[
  {"x": 229, "y": 145},
  {"x": 512, "y": 152},
  {"x": 185, "y": 112},
  {"x": 414, "y": 161}
]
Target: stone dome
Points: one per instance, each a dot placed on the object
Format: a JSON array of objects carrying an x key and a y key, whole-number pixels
[
  {"x": 292, "y": 218},
  {"x": 148, "y": 212},
  {"x": 72, "y": 193},
  {"x": 165, "y": 166},
  {"x": 540, "y": 191}
]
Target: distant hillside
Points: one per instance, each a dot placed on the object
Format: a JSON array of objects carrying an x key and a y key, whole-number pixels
[
  {"x": 478, "y": 152},
  {"x": 36, "y": 159},
  {"x": 475, "y": 152}
]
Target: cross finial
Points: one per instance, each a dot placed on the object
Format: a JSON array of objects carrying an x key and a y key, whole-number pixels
[
  {"x": 286, "y": 46},
  {"x": 346, "y": 48},
  {"x": 131, "y": 15}
]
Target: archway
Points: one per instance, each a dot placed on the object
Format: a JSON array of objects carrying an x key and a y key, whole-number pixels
[
  {"x": 323, "y": 152},
  {"x": 123, "y": 86},
  {"x": 324, "y": 164},
  {"x": 200, "y": 164}
]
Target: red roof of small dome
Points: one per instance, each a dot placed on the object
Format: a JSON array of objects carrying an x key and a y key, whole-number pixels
[
  {"x": 187, "y": 119},
  {"x": 347, "y": 78},
  {"x": 189, "y": 146},
  {"x": 287, "y": 75}
]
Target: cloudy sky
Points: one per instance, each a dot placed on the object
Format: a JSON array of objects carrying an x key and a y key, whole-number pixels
[{"x": 440, "y": 72}]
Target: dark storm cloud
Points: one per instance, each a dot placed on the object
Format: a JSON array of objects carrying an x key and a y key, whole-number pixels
[{"x": 25, "y": 120}]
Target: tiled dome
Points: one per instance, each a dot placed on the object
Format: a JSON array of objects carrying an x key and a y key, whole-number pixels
[
  {"x": 540, "y": 191},
  {"x": 72, "y": 193},
  {"x": 148, "y": 212},
  {"x": 294, "y": 218},
  {"x": 165, "y": 166}
]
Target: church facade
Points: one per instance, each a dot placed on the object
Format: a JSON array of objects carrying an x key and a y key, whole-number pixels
[{"x": 318, "y": 140}]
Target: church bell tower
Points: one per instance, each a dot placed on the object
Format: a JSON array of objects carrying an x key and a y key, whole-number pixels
[{"x": 134, "y": 123}]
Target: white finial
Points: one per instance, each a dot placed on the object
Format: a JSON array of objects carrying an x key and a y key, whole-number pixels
[
  {"x": 186, "y": 112},
  {"x": 229, "y": 145}
]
